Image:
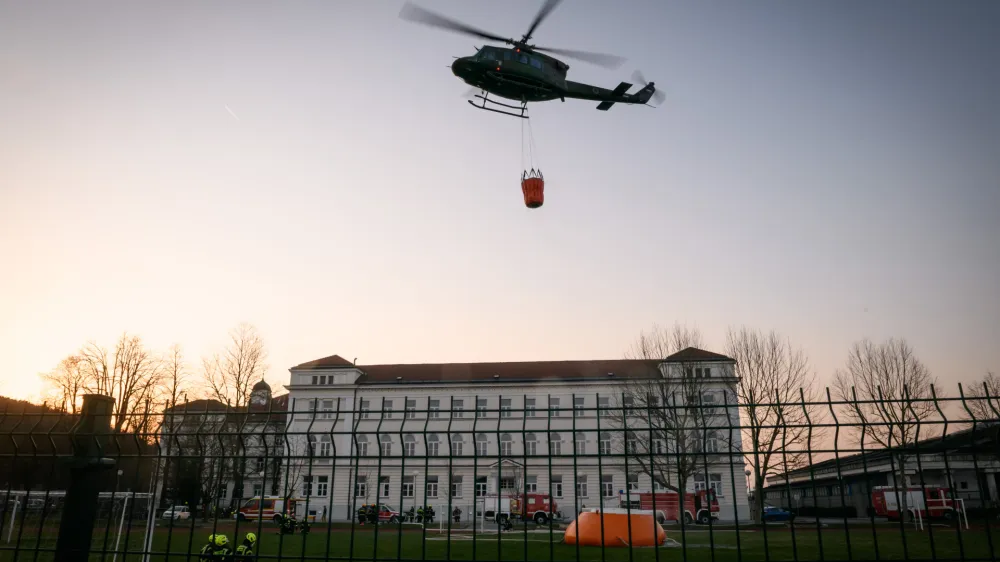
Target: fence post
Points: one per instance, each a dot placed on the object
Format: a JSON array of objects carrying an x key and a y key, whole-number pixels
[{"x": 89, "y": 438}]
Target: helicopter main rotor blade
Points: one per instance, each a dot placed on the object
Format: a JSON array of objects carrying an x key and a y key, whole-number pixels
[
  {"x": 600, "y": 59},
  {"x": 542, "y": 14},
  {"x": 414, "y": 13}
]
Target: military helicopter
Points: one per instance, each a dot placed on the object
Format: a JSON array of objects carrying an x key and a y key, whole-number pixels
[{"x": 523, "y": 73}]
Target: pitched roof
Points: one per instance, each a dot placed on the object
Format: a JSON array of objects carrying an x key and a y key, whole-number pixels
[
  {"x": 693, "y": 354},
  {"x": 508, "y": 371},
  {"x": 330, "y": 362}
]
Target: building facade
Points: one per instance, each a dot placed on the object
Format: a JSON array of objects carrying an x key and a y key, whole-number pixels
[{"x": 450, "y": 435}]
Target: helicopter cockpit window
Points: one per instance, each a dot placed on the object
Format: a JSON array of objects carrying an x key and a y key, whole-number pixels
[
  {"x": 486, "y": 54},
  {"x": 536, "y": 63},
  {"x": 506, "y": 55},
  {"x": 523, "y": 59}
]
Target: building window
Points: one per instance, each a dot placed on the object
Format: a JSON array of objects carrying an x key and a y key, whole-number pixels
[
  {"x": 365, "y": 408},
  {"x": 456, "y": 486},
  {"x": 629, "y": 403},
  {"x": 553, "y": 407},
  {"x": 480, "y": 486},
  {"x": 433, "y": 445},
  {"x": 631, "y": 443},
  {"x": 632, "y": 482},
  {"x": 605, "y": 444},
  {"x": 407, "y": 486},
  {"x": 607, "y": 485},
  {"x": 327, "y": 410},
  {"x": 410, "y": 409},
  {"x": 578, "y": 407},
  {"x": 432, "y": 486},
  {"x": 362, "y": 445},
  {"x": 387, "y": 409},
  {"x": 604, "y": 405},
  {"x": 506, "y": 445},
  {"x": 435, "y": 408},
  {"x": 456, "y": 445},
  {"x": 505, "y": 407},
  {"x": 531, "y": 485},
  {"x": 361, "y": 487},
  {"x": 659, "y": 445},
  {"x": 581, "y": 486},
  {"x": 708, "y": 372},
  {"x": 530, "y": 444},
  {"x": 481, "y": 445},
  {"x": 314, "y": 379},
  {"x": 322, "y": 486},
  {"x": 714, "y": 482},
  {"x": 581, "y": 444},
  {"x": 261, "y": 464},
  {"x": 325, "y": 446},
  {"x": 555, "y": 444},
  {"x": 307, "y": 485},
  {"x": 383, "y": 486},
  {"x": 258, "y": 489},
  {"x": 457, "y": 408},
  {"x": 409, "y": 446},
  {"x": 557, "y": 490},
  {"x": 507, "y": 484},
  {"x": 480, "y": 407},
  {"x": 529, "y": 407},
  {"x": 386, "y": 445}
]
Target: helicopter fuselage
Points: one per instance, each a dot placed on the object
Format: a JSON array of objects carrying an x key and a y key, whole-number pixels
[
  {"x": 533, "y": 77},
  {"x": 512, "y": 74}
]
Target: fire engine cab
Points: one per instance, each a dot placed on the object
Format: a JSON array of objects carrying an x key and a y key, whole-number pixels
[
  {"x": 930, "y": 502},
  {"x": 539, "y": 508}
]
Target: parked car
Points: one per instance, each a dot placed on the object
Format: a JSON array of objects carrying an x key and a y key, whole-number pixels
[
  {"x": 772, "y": 513},
  {"x": 177, "y": 512}
]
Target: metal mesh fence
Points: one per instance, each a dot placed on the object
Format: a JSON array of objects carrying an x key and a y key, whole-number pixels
[{"x": 644, "y": 475}]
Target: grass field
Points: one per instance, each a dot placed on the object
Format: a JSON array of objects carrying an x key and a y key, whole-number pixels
[{"x": 887, "y": 542}]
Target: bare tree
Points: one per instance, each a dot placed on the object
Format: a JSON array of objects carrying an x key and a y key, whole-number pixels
[
  {"x": 230, "y": 376},
  {"x": 66, "y": 383},
  {"x": 659, "y": 342},
  {"x": 888, "y": 389},
  {"x": 666, "y": 420},
  {"x": 131, "y": 375},
  {"x": 983, "y": 398},
  {"x": 775, "y": 392}
]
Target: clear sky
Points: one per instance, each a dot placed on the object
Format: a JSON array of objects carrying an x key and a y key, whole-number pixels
[{"x": 827, "y": 169}]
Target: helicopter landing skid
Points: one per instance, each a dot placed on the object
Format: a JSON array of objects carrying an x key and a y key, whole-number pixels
[{"x": 522, "y": 109}]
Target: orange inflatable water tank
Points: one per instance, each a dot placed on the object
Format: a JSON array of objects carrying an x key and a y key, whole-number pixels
[
  {"x": 644, "y": 531},
  {"x": 533, "y": 186}
]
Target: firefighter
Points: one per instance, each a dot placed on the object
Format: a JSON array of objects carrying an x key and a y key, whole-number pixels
[
  {"x": 362, "y": 511},
  {"x": 456, "y": 514},
  {"x": 244, "y": 552},
  {"x": 420, "y": 514},
  {"x": 373, "y": 514},
  {"x": 217, "y": 549}
]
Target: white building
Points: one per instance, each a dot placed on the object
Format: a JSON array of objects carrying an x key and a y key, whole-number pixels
[{"x": 445, "y": 434}]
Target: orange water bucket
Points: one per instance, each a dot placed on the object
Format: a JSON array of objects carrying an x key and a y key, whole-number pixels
[{"x": 534, "y": 192}]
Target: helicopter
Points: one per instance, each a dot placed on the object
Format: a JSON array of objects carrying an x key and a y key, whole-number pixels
[{"x": 524, "y": 73}]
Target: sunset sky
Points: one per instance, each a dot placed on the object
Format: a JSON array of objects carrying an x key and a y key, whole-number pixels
[{"x": 830, "y": 170}]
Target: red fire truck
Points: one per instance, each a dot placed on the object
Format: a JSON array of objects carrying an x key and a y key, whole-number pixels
[
  {"x": 930, "y": 502},
  {"x": 539, "y": 508},
  {"x": 701, "y": 506},
  {"x": 267, "y": 508}
]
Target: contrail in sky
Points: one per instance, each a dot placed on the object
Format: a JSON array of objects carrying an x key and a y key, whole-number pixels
[{"x": 231, "y": 113}]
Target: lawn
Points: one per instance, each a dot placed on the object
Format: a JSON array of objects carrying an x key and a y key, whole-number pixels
[{"x": 887, "y": 542}]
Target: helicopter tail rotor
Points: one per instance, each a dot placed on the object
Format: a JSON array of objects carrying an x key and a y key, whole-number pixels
[{"x": 656, "y": 95}]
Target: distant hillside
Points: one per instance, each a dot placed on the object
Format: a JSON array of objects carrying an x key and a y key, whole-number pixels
[{"x": 15, "y": 406}]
